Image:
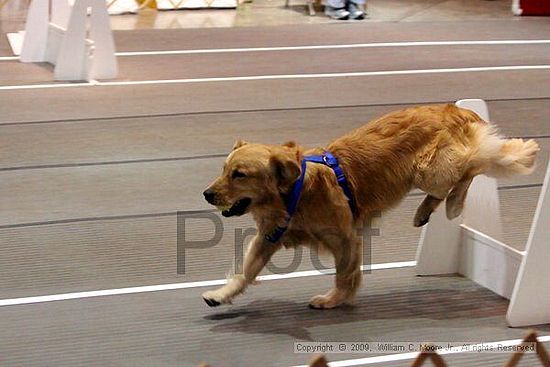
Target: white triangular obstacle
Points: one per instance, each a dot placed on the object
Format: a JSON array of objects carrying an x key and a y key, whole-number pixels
[
  {"x": 63, "y": 39},
  {"x": 456, "y": 247}
]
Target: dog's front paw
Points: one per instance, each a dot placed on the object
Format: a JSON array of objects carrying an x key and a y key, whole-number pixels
[
  {"x": 214, "y": 298},
  {"x": 321, "y": 302}
]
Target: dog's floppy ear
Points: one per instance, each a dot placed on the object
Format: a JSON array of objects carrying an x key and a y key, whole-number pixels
[
  {"x": 286, "y": 169},
  {"x": 239, "y": 143}
]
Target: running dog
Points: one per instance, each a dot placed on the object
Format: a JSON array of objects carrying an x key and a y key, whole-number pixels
[{"x": 320, "y": 197}]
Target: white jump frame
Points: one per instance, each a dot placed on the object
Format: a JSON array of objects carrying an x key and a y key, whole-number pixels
[
  {"x": 448, "y": 247},
  {"x": 57, "y": 33}
]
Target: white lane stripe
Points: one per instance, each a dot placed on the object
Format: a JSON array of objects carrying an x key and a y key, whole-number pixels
[
  {"x": 46, "y": 86},
  {"x": 330, "y": 75},
  {"x": 323, "y": 47},
  {"x": 282, "y": 76},
  {"x": 173, "y": 286},
  {"x": 327, "y": 47},
  {"x": 411, "y": 355}
]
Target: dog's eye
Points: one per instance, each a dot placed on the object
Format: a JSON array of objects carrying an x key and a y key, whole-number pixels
[{"x": 237, "y": 174}]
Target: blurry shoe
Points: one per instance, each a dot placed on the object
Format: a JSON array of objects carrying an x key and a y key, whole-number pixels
[
  {"x": 355, "y": 12},
  {"x": 336, "y": 13}
]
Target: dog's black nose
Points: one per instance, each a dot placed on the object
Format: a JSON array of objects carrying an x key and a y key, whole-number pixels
[{"x": 209, "y": 195}]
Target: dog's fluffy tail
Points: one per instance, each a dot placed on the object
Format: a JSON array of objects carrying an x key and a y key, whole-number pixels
[{"x": 504, "y": 157}]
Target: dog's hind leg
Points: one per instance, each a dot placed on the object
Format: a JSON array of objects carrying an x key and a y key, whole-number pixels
[
  {"x": 455, "y": 200},
  {"x": 348, "y": 276},
  {"x": 454, "y": 203},
  {"x": 425, "y": 210},
  {"x": 258, "y": 254}
]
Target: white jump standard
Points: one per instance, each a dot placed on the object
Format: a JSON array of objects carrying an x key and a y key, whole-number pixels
[
  {"x": 62, "y": 39},
  {"x": 456, "y": 247}
]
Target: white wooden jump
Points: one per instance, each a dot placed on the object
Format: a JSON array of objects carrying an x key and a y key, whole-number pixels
[
  {"x": 57, "y": 32},
  {"x": 467, "y": 246}
]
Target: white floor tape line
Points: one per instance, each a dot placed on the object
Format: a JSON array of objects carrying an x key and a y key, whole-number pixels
[
  {"x": 174, "y": 286},
  {"x": 282, "y": 76},
  {"x": 46, "y": 86},
  {"x": 323, "y": 47},
  {"x": 329, "y": 47},
  {"x": 412, "y": 355}
]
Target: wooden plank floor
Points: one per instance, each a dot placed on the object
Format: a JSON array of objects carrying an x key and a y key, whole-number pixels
[
  {"x": 171, "y": 328},
  {"x": 91, "y": 178},
  {"x": 134, "y": 251},
  {"x": 336, "y": 33},
  {"x": 110, "y": 140},
  {"x": 223, "y": 96},
  {"x": 207, "y": 65}
]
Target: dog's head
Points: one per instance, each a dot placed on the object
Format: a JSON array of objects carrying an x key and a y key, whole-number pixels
[{"x": 254, "y": 175}]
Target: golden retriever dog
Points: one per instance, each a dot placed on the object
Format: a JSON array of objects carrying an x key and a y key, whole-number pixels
[{"x": 438, "y": 149}]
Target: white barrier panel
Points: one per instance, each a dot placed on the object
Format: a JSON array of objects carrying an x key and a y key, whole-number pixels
[
  {"x": 467, "y": 246},
  {"x": 64, "y": 39},
  {"x": 530, "y": 302},
  {"x": 488, "y": 262}
]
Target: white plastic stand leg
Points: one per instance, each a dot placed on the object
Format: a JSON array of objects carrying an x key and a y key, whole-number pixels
[
  {"x": 16, "y": 42},
  {"x": 104, "y": 65},
  {"x": 72, "y": 63},
  {"x": 36, "y": 29},
  {"x": 530, "y": 302},
  {"x": 61, "y": 11}
]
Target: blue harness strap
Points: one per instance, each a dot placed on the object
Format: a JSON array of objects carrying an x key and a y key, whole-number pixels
[
  {"x": 328, "y": 160},
  {"x": 291, "y": 205}
]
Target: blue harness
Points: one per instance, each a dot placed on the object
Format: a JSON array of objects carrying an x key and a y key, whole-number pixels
[{"x": 328, "y": 160}]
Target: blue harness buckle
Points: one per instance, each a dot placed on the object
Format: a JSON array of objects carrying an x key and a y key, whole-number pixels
[{"x": 328, "y": 160}]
